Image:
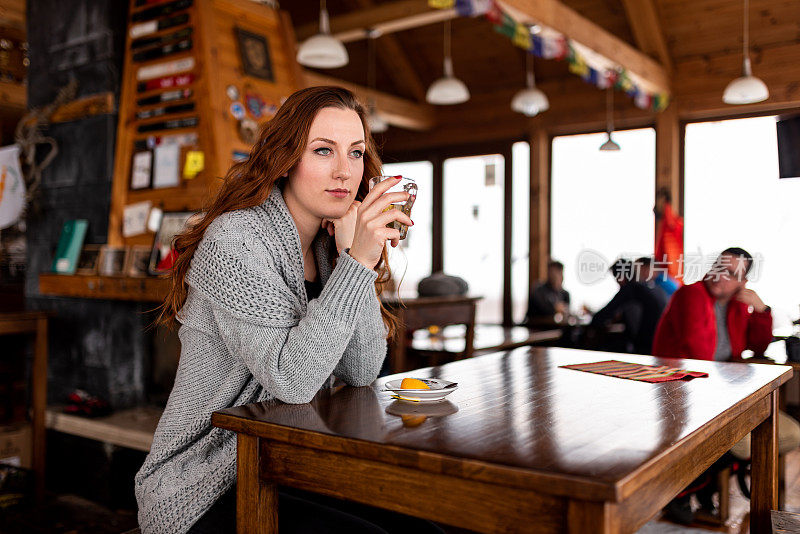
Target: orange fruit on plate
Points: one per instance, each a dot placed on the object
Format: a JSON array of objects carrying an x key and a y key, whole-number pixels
[{"x": 413, "y": 383}]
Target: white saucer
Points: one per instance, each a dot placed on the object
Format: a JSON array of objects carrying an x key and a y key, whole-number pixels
[{"x": 438, "y": 390}]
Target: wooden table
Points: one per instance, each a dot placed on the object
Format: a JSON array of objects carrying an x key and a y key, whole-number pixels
[
  {"x": 532, "y": 447},
  {"x": 488, "y": 338},
  {"x": 33, "y": 322}
]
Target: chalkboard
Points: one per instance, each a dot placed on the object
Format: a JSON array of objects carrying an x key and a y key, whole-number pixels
[{"x": 81, "y": 39}]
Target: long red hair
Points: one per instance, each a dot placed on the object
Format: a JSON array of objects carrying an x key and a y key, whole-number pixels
[{"x": 248, "y": 183}]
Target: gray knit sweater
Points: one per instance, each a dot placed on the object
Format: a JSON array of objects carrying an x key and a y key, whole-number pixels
[{"x": 248, "y": 334}]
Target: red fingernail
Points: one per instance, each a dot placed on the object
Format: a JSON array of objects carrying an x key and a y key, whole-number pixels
[{"x": 398, "y": 177}]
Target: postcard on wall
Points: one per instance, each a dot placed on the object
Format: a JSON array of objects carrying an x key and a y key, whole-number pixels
[
  {"x": 134, "y": 218},
  {"x": 141, "y": 169},
  {"x": 166, "y": 170}
]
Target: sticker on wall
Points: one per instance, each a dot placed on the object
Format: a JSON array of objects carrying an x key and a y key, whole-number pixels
[
  {"x": 237, "y": 110},
  {"x": 255, "y": 105},
  {"x": 248, "y": 130}
]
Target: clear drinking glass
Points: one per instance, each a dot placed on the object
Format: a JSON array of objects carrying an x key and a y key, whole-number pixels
[{"x": 405, "y": 184}]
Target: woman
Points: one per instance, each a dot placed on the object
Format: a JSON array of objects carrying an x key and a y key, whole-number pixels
[{"x": 276, "y": 290}]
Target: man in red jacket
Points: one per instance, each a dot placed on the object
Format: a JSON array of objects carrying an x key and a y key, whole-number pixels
[
  {"x": 712, "y": 319},
  {"x": 716, "y": 319}
]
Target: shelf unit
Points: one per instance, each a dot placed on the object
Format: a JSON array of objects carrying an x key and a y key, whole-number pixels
[{"x": 104, "y": 287}]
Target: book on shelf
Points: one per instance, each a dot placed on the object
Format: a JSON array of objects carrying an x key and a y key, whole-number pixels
[{"x": 69, "y": 246}]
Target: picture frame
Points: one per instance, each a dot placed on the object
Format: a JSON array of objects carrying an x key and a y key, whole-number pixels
[
  {"x": 112, "y": 260},
  {"x": 89, "y": 260},
  {"x": 254, "y": 53},
  {"x": 138, "y": 261},
  {"x": 163, "y": 255}
]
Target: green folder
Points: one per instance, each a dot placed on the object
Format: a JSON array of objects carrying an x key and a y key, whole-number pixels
[{"x": 69, "y": 246}]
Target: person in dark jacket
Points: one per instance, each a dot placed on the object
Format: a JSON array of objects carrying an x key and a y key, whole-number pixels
[
  {"x": 550, "y": 297},
  {"x": 638, "y": 304}
]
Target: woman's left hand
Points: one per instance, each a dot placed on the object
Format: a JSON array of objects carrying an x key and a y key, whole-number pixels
[{"x": 343, "y": 228}]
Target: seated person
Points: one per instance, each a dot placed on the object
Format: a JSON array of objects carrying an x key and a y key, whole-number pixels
[
  {"x": 712, "y": 320},
  {"x": 657, "y": 276},
  {"x": 550, "y": 297},
  {"x": 638, "y": 304}
]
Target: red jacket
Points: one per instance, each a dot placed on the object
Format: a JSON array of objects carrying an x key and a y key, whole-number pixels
[
  {"x": 669, "y": 241},
  {"x": 688, "y": 328}
]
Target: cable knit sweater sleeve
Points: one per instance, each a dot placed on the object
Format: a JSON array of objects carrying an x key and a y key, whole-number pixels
[
  {"x": 364, "y": 355},
  {"x": 290, "y": 348}
]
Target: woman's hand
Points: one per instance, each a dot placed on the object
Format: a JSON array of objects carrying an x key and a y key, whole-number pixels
[
  {"x": 343, "y": 228},
  {"x": 371, "y": 232}
]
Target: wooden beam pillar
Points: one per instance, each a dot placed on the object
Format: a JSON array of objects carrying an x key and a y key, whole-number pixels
[
  {"x": 668, "y": 154},
  {"x": 508, "y": 223},
  {"x": 644, "y": 22},
  {"x": 395, "y": 110},
  {"x": 539, "y": 206}
]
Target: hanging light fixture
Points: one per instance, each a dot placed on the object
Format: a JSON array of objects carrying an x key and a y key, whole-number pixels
[
  {"x": 746, "y": 89},
  {"x": 610, "y": 144},
  {"x": 530, "y": 101},
  {"x": 448, "y": 89},
  {"x": 374, "y": 119},
  {"x": 321, "y": 50}
]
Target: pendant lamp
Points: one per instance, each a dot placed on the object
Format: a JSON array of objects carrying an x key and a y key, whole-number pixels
[
  {"x": 530, "y": 101},
  {"x": 322, "y": 51},
  {"x": 448, "y": 89},
  {"x": 376, "y": 123},
  {"x": 610, "y": 144},
  {"x": 746, "y": 89}
]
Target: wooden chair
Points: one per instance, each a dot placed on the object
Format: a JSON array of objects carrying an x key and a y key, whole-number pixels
[{"x": 415, "y": 314}]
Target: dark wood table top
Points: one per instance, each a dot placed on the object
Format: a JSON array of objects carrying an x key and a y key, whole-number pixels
[
  {"x": 488, "y": 338},
  {"x": 521, "y": 420}
]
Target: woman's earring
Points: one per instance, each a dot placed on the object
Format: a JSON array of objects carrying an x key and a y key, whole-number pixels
[{"x": 285, "y": 175}]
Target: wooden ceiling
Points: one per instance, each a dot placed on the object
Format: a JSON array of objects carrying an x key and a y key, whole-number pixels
[{"x": 703, "y": 52}]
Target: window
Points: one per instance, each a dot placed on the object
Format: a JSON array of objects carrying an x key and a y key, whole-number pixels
[
  {"x": 733, "y": 197},
  {"x": 473, "y": 216},
  {"x": 411, "y": 261},
  {"x": 601, "y": 209}
]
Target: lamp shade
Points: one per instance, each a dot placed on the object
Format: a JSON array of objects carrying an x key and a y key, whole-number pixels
[
  {"x": 376, "y": 123},
  {"x": 610, "y": 145},
  {"x": 530, "y": 102},
  {"x": 323, "y": 52},
  {"x": 745, "y": 90},
  {"x": 447, "y": 90}
]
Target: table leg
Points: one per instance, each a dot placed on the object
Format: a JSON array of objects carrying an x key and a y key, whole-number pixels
[
  {"x": 764, "y": 475},
  {"x": 256, "y": 499},
  {"x": 589, "y": 517},
  {"x": 39, "y": 404}
]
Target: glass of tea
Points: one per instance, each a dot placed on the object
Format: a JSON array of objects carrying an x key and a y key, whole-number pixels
[{"x": 405, "y": 184}]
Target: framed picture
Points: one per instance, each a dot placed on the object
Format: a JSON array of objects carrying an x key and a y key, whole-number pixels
[
  {"x": 112, "y": 260},
  {"x": 163, "y": 255},
  {"x": 138, "y": 259},
  {"x": 89, "y": 259},
  {"x": 254, "y": 51}
]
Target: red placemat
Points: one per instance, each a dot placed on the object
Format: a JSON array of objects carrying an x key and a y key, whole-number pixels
[{"x": 636, "y": 371}]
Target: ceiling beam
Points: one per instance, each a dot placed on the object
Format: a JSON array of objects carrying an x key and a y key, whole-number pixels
[
  {"x": 555, "y": 15},
  {"x": 385, "y": 18},
  {"x": 394, "y": 110},
  {"x": 394, "y": 59},
  {"x": 643, "y": 20}
]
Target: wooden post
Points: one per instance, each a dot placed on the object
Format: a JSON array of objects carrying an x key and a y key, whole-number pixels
[
  {"x": 539, "y": 206},
  {"x": 508, "y": 223},
  {"x": 39, "y": 403},
  {"x": 764, "y": 474},
  {"x": 668, "y": 154}
]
